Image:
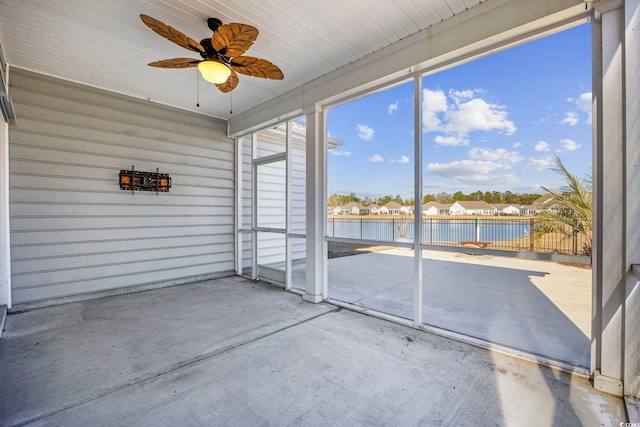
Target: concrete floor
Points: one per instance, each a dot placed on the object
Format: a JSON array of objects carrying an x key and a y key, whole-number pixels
[
  {"x": 235, "y": 352},
  {"x": 536, "y": 307}
]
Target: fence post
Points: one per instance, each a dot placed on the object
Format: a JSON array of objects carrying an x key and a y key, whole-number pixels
[
  {"x": 531, "y": 225},
  {"x": 431, "y": 231},
  {"x": 478, "y": 222},
  {"x": 361, "y": 236},
  {"x": 393, "y": 229},
  {"x": 575, "y": 237}
]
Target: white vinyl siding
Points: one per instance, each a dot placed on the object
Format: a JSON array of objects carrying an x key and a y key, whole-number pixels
[{"x": 74, "y": 231}]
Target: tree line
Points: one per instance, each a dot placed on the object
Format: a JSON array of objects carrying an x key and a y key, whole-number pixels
[{"x": 442, "y": 197}]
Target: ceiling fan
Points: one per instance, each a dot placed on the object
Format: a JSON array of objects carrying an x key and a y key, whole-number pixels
[{"x": 222, "y": 54}]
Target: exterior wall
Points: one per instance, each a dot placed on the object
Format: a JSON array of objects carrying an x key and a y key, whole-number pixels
[
  {"x": 431, "y": 211},
  {"x": 511, "y": 210},
  {"x": 74, "y": 231},
  {"x": 457, "y": 209}
]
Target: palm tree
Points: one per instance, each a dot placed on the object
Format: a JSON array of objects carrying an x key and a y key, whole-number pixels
[{"x": 573, "y": 216}]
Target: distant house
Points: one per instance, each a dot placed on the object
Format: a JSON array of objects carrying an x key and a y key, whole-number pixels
[
  {"x": 546, "y": 202},
  {"x": 435, "y": 208},
  {"x": 507, "y": 209},
  {"x": 374, "y": 209},
  {"x": 543, "y": 200},
  {"x": 352, "y": 208},
  {"x": 335, "y": 210},
  {"x": 478, "y": 207},
  {"x": 391, "y": 208},
  {"x": 407, "y": 210}
]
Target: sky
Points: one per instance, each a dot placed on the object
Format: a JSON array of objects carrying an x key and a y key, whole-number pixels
[{"x": 493, "y": 124}]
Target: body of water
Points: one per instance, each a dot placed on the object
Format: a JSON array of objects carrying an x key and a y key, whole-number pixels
[{"x": 433, "y": 230}]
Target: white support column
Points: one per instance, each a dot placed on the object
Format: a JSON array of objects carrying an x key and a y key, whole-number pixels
[
  {"x": 417, "y": 227},
  {"x": 5, "y": 249},
  {"x": 254, "y": 207},
  {"x": 316, "y": 286},
  {"x": 632, "y": 99},
  {"x": 289, "y": 150},
  {"x": 610, "y": 198},
  {"x": 238, "y": 216},
  {"x": 596, "y": 254}
]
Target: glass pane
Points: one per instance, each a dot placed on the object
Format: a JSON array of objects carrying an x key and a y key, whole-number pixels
[
  {"x": 370, "y": 196},
  {"x": 245, "y": 146},
  {"x": 373, "y": 277},
  {"x": 271, "y": 257},
  {"x": 271, "y": 195},
  {"x": 247, "y": 254},
  {"x": 298, "y": 264},
  {"x": 491, "y": 132},
  {"x": 298, "y": 178},
  {"x": 371, "y": 167},
  {"x": 271, "y": 141}
]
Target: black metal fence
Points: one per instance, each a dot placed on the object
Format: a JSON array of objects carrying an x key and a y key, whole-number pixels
[{"x": 515, "y": 234}]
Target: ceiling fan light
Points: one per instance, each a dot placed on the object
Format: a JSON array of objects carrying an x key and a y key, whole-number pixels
[{"x": 214, "y": 71}]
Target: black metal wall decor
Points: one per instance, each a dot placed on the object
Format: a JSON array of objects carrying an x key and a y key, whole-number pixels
[{"x": 144, "y": 181}]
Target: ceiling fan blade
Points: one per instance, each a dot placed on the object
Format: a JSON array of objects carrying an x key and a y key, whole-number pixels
[
  {"x": 172, "y": 34},
  {"x": 233, "y": 39},
  {"x": 256, "y": 67},
  {"x": 230, "y": 84},
  {"x": 176, "y": 63}
]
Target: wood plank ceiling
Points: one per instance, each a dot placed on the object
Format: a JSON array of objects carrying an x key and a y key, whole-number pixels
[{"x": 103, "y": 43}]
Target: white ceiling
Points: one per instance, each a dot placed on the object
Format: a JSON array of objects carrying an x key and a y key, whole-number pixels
[{"x": 104, "y": 43}]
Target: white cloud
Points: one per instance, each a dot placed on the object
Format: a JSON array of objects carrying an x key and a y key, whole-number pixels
[
  {"x": 472, "y": 171},
  {"x": 402, "y": 159},
  {"x": 570, "y": 118},
  {"x": 517, "y": 144},
  {"x": 451, "y": 141},
  {"x": 440, "y": 185},
  {"x": 376, "y": 158},
  {"x": 583, "y": 103},
  {"x": 532, "y": 188},
  {"x": 340, "y": 153},
  {"x": 491, "y": 179},
  {"x": 461, "y": 113},
  {"x": 541, "y": 163},
  {"x": 569, "y": 145},
  {"x": 463, "y": 167},
  {"x": 495, "y": 155},
  {"x": 542, "y": 146},
  {"x": 461, "y": 95},
  {"x": 434, "y": 102},
  {"x": 478, "y": 114},
  {"x": 365, "y": 132},
  {"x": 392, "y": 108}
]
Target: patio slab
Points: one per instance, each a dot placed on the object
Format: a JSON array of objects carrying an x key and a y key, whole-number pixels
[
  {"x": 538, "y": 307},
  {"x": 57, "y": 357},
  {"x": 235, "y": 352}
]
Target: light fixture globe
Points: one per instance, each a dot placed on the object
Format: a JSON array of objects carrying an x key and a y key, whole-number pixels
[{"x": 214, "y": 71}]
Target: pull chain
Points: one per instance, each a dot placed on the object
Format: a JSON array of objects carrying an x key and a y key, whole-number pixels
[
  {"x": 231, "y": 104},
  {"x": 197, "y": 90}
]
